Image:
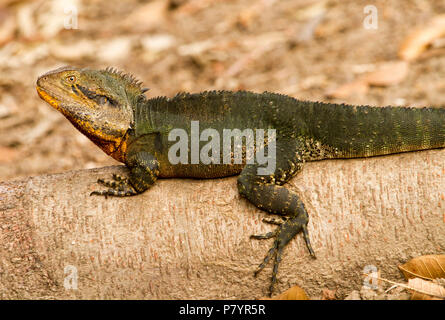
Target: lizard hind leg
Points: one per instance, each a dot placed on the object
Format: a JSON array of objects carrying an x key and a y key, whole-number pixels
[{"x": 268, "y": 194}]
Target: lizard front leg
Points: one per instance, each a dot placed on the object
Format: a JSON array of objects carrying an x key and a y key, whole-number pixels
[
  {"x": 144, "y": 170},
  {"x": 266, "y": 193}
]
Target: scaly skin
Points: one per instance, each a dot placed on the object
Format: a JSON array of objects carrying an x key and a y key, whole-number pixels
[{"x": 111, "y": 109}]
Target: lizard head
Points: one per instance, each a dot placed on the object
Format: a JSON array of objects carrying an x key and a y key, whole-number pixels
[{"x": 99, "y": 103}]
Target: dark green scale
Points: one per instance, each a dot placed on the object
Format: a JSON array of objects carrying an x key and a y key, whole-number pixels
[{"x": 304, "y": 131}]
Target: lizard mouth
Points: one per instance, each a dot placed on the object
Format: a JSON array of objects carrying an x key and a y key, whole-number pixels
[{"x": 48, "y": 98}]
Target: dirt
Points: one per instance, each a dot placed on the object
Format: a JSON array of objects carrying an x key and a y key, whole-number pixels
[{"x": 304, "y": 48}]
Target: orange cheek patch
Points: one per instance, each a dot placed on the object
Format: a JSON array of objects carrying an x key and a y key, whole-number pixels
[
  {"x": 53, "y": 102},
  {"x": 120, "y": 152},
  {"x": 114, "y": 146}
]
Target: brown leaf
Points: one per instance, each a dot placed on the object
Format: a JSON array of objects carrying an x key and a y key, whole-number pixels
[
  {"x": 312, "y": 10},
  {"x": 421, "y": 289},
  {"x": 7, "y": 154},
  {"x": 389, "y": 74},
  {"x": 7, "y": 26},
  {"x": 294, "y": 293},
  {"x": 356, "y": 87},
  {"x": 192, "y": 7},
  {"x": 250, "y": 14},
  {"x": 426, "y": 267},
  {"x": 146, "y": 17},
  {"x": 74, "y": 51},
  {"x": 425, "y": 290},
  {"x": 418, "y": 41},
  {"x": 328, "y": 294}
]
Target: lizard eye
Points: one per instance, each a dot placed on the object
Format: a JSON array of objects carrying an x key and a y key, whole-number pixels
[{"x": 71, "y": 79}]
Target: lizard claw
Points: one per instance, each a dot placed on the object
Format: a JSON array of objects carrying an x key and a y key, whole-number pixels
[
  {"x": 285, "y": 232},
  {"x": 118, "y": 187}
]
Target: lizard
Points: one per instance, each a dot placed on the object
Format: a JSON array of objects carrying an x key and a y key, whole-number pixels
[{"x": 111, "y": 109}]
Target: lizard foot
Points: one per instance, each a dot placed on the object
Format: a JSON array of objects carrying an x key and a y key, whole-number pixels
[
  {"x": 117, "y": 182},
  {"x": 118, "y": 187},
  {"x": 287, "y": 229}
]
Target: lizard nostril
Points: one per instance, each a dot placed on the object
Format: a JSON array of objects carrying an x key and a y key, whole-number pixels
[{"x": 39, "y": 80}]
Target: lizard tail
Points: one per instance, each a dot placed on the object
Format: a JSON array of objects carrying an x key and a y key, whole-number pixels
[{"x": 362, "y": 131}]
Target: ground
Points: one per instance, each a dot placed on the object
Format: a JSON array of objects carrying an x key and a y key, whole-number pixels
[{"x": 304, "y": 48}]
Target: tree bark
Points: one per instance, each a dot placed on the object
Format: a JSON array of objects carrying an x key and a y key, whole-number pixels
[{"x": 189, "y": 239}]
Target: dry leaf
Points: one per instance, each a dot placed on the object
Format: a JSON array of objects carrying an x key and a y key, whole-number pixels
[
  {"x": 418, "y": 41},
  {"x": 356, "y": 87},
  {"x": 328, "y": 294},
  {"x": 247, "y": 16},
  {"x": 389, "y": 74},
  {"x": 312, "y": 10},
  {"x": 26, "y": 23},
  {"x": 7, "y": 26},
  {"x": 7, "y": 154},
  {"x": 192, "y": 7},
  {"x": 425, "y": 290},
  {"x": 115, "y": 49},
  {"x": 146, "y": 17},
  {"x": 157, "y": 42},
  {"x": 427, "y": 267},
  {"x": 8, "y": 105},
  {"x": 82, "y": 49},
  {"x": 294, "y": 293},
  {"x": 422, "y": 289}
]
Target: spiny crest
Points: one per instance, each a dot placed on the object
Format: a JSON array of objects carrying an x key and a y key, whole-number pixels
[
  {"x": 199, "y": 95},
  {"x": 130, "y": 81}
]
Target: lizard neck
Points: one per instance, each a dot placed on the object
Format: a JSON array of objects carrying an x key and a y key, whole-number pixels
[{"x": 112, "y": 143}]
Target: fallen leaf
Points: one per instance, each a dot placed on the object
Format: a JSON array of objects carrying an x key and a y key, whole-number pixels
[
  {"x": 8, "y": 105},
  {"x": 294, "y": 293},
  {"x": 83, "y": 49},
  {"x": 421, "y": 289},
  {"x": 191, "y": 7},
  {"x": 25, "y": 20},
  {"x": 328, "y": 294},
  {"x": 418, "y": 41},
  {"x": 247, "y": 16},
  {"x": 426, "y": 267},
  {"x": 425, "y": 290},
  {"x": 158, "y": 42},
  {"x": 115, "y": 49},
  {"x": 7, "y": 154},
  {"x": 312, "y": 10},
  {"x": 389, "y": 74},
  {"x": 438, "y": 43},
  {"x": 146, "y": 17},
  {"x": 356, "y": 87},
  {"x": 195, "y": 48},
  {"x": 7, "y": 26}
]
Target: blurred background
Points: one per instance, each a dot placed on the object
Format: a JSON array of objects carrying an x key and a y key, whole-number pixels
[{"x": 361, "y": 52}]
